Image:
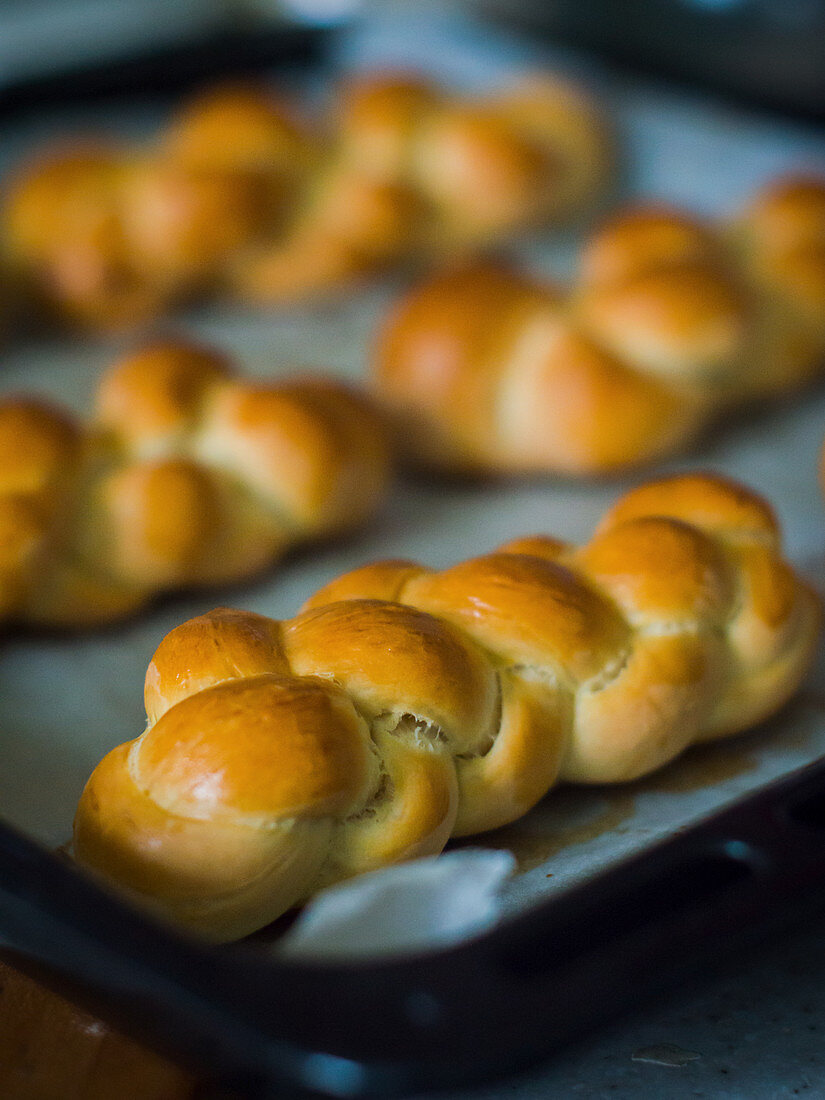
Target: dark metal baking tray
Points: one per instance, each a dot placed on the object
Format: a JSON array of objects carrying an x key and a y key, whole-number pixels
[
  {"x": 274, "y": 1028},
  {"x": 637, "y": 896}
]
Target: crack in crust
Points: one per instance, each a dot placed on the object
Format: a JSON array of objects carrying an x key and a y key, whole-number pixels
[{"x": 403, "y": 706}]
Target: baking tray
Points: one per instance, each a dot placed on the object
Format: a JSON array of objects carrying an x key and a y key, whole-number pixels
[
  {"x": 358, "y": 1030},
  {"x": 272, "y": 1029}
]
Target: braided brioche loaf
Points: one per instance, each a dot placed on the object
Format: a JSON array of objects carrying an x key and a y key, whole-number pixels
[
  {"x": 404, "y": 706},
  {"x": 669, "y": 322},
  {"x": 184, "y": 476},
  {"x": 239, "y": 196}
]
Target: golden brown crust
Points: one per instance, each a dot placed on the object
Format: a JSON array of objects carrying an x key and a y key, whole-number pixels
[
  {"x": 64, "y": 192},
  {"x": 219, "y": 646},
  {"x": 442, "y": 349},
  {"x": 483, "y": 166},
  {"x": 536, "y": 546},
  {"x": 39, "y": 444},
  {"x": 378, "y": 114},
  {"x": 670, "y": 322},
  {"x": 403, "y": 705},
  {"x": 639, "y": 241},
  {"x": 348, "y": 228},
  {"x": 238, "y": 126},
  {"x": 571, "y": 406},
  {"x": 526, "y": 608},
  {"x": 374, "y": 646},
  {"x": 40, "y": 451},
  {"x": 658, "y": 567},
  {"x": 157, "y": 393},
  {"x": 382, "y": 580},
  {"x": 186, "y": 476},
  {"x": 304, "y": 753},
  {"x": 712, "y": 501},
  {"x": 788, "y": 214}
]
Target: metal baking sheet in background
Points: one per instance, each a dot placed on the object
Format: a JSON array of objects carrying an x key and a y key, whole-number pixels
[{"x": 64, "y": 701}]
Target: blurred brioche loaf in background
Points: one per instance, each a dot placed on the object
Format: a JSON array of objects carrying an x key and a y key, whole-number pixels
[
  {"x": 669, "y": 322},
  {"x": 110, "y": 235},
  {"x": 243, "y": 195},
  {"x": 185, "y": 475}
]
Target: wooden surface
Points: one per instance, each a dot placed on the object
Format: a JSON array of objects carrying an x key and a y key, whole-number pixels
[{"x": 51, "y": 1050}]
